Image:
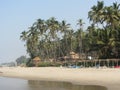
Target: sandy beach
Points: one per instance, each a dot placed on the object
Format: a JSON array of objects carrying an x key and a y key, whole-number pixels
[{"x": 108, "y": 77}]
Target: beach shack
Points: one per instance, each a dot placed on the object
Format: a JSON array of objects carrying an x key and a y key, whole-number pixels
[{"x": 36, "y": 61}]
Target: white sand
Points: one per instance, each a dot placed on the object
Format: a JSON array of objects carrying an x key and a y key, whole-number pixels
[{"x": 109, "y": 78}]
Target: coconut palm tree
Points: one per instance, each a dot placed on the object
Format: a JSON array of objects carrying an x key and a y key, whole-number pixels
[
  {"x": 108, "y": 17},
  {"x": 64, "y": 28},
  {"x": 34, "y": 41},
  {"x": 96, "y": 14},
  {"x": 53, "y": 28},
  {"x": 23, "y": 36},
  {"x": 80, "y": 31}
]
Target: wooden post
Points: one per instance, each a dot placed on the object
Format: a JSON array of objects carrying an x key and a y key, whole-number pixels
[
  {"x": 84, "y": 63},
  {"x": 108, "y": 63},
  {"x": 99, "y": 62},
  {"x": 117, "y": 62},
  {"x": 95, "y": 63},
  {"x": 112, "y": 63}
]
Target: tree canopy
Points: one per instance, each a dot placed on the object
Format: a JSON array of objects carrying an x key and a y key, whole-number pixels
[{"x": 51, "y": 39}]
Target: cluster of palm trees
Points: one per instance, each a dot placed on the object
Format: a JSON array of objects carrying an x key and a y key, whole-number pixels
[
  {"x": 105, "y": 29},
  {"x": 45, "y": 38},
  {"x": 53, "y": 39}
]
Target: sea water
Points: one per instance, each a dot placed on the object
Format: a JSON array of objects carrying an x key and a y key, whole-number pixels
[{"x": 20, "y": 84}]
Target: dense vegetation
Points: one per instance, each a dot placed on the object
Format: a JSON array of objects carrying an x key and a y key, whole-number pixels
[
  {"x": 22, "y": 60},
  {"x": 53, "y": 39}
]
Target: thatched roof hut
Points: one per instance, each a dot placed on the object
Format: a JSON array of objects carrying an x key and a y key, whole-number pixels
[
  {"x": 74, "y": 55},
  {"x": 36, "y": 59}
]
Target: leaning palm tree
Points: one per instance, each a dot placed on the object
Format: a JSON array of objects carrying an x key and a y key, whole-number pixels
[
  {"x": 31, "y": 38},
  {"x": 34, "y": 40}
]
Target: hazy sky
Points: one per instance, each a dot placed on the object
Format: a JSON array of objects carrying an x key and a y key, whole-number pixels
[{"x": 17, "y": 15}]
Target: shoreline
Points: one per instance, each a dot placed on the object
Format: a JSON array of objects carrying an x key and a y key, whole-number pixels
[{"x": 108, "y": 77}]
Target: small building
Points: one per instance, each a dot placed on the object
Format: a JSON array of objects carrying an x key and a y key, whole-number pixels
[
  {"x": 74, "y": 55},
  {"x": 36, "y": 61}
]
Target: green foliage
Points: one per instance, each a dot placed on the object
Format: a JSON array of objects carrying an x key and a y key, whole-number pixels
[
  {"x": 51, "y": 39},
  {"x": 48, "y": 64},
  {"x": 21, "y": 60},
  {"x": 30, "y": 64}
]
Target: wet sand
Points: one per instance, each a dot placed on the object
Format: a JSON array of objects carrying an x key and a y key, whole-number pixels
[{"x": 108, "y": 77}]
